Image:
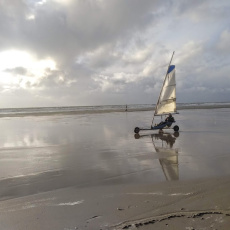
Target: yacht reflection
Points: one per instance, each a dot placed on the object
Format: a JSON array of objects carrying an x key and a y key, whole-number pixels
[{"x": 168, "y": 156}]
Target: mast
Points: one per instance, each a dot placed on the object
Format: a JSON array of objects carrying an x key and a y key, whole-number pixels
[{"x": 162, "y": 87}]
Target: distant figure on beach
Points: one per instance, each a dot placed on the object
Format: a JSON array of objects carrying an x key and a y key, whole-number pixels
[{"x": 126, "y": 108}]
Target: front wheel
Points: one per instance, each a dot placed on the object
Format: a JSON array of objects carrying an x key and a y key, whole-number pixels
[
  {"x": 136, "y": 130},
  {"x": 176, "y": 128}
]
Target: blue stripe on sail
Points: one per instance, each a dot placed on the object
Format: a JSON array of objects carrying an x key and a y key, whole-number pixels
[{"x": 171, "y": 68}]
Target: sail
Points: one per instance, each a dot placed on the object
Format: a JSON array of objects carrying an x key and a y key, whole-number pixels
[{"x": 167, "y": 100}]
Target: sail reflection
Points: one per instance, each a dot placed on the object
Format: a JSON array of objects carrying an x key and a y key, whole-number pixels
[{"x": 168, "y": 156}]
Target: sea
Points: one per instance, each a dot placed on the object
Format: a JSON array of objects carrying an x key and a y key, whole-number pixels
[{"x": 5, "y": 112}]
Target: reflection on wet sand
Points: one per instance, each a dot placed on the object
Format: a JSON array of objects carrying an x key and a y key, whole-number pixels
[{"x": 168, "y": 156}]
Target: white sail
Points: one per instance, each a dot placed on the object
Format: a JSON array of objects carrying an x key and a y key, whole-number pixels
[{"x": 167, "y": 100}]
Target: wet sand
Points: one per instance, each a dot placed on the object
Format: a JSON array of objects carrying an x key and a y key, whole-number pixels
[
  {"x": 201, "y": 204},
  {"x": 90, "y": 172}
]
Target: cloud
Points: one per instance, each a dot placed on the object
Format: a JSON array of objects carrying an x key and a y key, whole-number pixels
[
  {"x": 17, "y": 71},
  {"x": 223, "y": 44},
  {"x": 103, "y": 51}
]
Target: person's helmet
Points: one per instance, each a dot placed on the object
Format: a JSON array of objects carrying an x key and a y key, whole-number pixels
[{"x": 170, "y": 114}]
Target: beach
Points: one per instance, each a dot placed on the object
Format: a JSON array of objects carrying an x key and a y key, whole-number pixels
[{"x": 88, "y": 170}]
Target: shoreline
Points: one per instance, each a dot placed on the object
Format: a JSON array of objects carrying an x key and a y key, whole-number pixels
[{"x": 80, "y": 112}]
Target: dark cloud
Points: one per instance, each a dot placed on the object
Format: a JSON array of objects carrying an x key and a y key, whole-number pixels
[
  {"x": 65, "y": 31},
  {"x": 17, "y": 71}
]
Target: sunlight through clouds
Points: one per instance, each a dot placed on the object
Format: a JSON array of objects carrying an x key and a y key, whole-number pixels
[{"x": 19, "y": 69}]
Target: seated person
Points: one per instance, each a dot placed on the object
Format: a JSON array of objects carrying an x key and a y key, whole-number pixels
[{"x": 170, "y": 118}]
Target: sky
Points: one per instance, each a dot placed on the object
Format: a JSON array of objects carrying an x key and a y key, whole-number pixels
[{"x": 106, "y": 52}]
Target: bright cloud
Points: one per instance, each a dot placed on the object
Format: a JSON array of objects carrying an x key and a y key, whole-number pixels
[{"x": 19, "y": 68}]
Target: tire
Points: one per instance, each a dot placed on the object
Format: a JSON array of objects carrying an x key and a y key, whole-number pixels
[
  {"x": 136, "y": 130},
  {"x": 176, "y": 128}
]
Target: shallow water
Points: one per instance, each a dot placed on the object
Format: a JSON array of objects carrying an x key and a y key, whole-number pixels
[{"x": 40, "y": 154}]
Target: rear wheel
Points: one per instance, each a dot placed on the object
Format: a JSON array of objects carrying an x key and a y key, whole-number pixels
[
  {"x": 176, "y": 128},
  {"x": 136, "y": 130}
]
